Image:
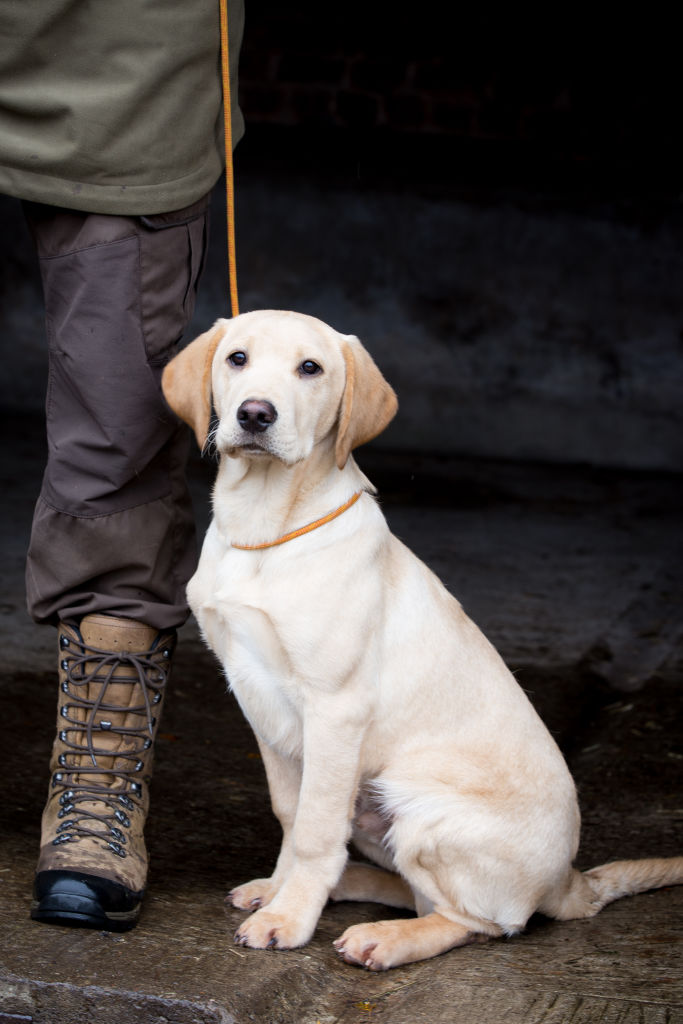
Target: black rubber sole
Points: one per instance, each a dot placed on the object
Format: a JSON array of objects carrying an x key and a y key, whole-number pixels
[{"x": 79, "y": 900}]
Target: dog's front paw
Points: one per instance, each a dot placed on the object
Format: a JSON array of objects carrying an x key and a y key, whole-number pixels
[
  {"x": 252, "y": 895},
  {"x": 265, "y": 930}
]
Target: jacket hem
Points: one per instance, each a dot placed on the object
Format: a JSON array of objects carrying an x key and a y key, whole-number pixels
[{"x": 119, "y": 200}]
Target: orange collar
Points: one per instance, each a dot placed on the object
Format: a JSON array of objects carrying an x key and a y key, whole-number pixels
[{"x": 303, "y": 529}]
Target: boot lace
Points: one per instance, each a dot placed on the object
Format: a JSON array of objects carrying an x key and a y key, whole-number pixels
[{"x": 93, "y": 808}]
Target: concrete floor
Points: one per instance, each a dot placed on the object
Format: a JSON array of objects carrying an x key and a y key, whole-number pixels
[{"x": 575, "y": 575}]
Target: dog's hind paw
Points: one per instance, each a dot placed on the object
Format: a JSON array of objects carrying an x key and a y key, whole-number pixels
[
  {"x": 359, "y": 949},
  {"x": 384, "y": 944}
]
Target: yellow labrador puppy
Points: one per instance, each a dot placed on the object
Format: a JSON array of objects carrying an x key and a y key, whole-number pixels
[{"x": 382, "y": 713}]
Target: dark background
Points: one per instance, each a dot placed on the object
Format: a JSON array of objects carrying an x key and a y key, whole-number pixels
[{"x": 586, "y": 102}]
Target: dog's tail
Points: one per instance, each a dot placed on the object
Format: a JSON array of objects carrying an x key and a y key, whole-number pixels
[{"x": 588, "y": 892}]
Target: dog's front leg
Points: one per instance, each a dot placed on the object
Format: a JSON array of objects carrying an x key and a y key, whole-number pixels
[
  {"x": 284, "y": 782},
  {"x": 322, "y": 826}
]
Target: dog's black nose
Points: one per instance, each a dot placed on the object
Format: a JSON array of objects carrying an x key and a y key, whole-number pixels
[{"x": 256, "y": 415}]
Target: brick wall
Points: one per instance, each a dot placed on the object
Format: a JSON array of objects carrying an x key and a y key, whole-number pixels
[{"x": 580, "y": 91}]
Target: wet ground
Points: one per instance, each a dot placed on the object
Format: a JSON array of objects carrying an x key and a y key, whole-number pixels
[{"x": 575, "y": 575}]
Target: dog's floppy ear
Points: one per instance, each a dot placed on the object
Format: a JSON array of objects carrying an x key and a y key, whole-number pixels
[
  {"x": 368, "y": 404},
  {"x": 186, "y": 381}
]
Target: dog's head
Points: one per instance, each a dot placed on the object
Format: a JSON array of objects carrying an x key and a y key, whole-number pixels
[{"x": 280, "y": 383}]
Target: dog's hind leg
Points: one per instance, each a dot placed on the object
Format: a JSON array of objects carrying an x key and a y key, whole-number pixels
[
  {"x": 364, "y": 882},
  {"x": 384, "y": 944}
]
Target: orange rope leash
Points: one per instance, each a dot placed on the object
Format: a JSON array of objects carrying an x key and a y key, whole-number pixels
[
  {"x": 229, "y": 176},
  {"x": 232, "y": 264},
  {"x": 303, "y": 529}
]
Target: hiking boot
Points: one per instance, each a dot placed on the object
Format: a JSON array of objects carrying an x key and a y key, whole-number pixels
[{"x": 93, "y": 862}]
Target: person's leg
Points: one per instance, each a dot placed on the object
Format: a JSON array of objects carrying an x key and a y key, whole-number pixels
[
  {"x": 113, "y": 529},
  {"x": 112, "y": 542}
]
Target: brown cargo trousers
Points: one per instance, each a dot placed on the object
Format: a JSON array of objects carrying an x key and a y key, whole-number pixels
[{"x": 113, "y": 529}]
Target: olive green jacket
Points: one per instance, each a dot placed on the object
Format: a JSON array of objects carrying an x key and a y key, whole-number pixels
[{"x": 114, "y": 106}]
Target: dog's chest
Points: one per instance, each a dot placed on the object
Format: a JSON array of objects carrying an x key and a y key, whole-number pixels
[
  {"x": 268, "y": 700},
  {"x": 241, "y": 625}
]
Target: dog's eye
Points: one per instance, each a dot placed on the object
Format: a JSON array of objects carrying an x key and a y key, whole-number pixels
[
  {"x": 237, "y": 359},
  {"x": 310, "y": 368}
]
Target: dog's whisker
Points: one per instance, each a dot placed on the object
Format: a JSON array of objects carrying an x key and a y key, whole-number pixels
[{"x": 210, "y": 448}]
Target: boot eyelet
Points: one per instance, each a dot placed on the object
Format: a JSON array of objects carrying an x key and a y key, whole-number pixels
[
  {"x": 118, "y": 850},
  {"x": 65, "y": 825},
  {"x": 64, "y": 641},
  {"x": 62, "y": 760},
  {"x": 139, "y": 765},
  {"x": 65, "y": 687},
  {"x": 156, "y": 699},
  {"x": 122, "y": 818},
  {"x": 136, "y": 788},
  {"x": 56, "y": 778},
  {"x": 105, "y": 726},
  {"x": 127, "y": 802},
  {"x": 66, "y": 809},
  {"x": 147, "y": 744},
  {"x": 64, "y": 838},
  {"x": 66, "y": 797},
  {"x": 64, "y": 665},
  {"x": 63, "y": 735},
  {"x": 65, "y": 711}
]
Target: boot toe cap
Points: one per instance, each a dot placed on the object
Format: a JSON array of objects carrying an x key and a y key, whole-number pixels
[{"x": 82, "y": 900}]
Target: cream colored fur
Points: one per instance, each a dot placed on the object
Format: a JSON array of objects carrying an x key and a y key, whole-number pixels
[{"x": 382, "y": 713}]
